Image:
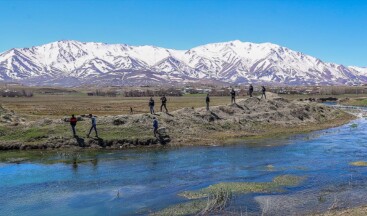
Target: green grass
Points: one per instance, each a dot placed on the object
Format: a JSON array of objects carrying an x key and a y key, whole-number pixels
[
  {"x": 356, "y": 102},
  {"x": 215, "y": 198},
  {"x": 354, "y": 125},
  {"x": 118, "y": 132},
  {"x": 24, "y": 134},
  {"x": 38, "y": 134},
  {"x": 245, "y": 187}
]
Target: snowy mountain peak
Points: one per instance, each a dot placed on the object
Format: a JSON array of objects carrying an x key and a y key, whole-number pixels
[{"x": 120, "y": 64}]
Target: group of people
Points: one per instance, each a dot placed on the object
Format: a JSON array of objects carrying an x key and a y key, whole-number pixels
[
  {"x": 163, "y": 104},
  {"x": 73, "y": 120},
  {"x": 250, "y": 92}
]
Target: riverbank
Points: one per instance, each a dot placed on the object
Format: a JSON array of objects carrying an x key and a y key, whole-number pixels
[
  {"x": 248, "y": 118},
  {"x": 359, "y": 101}
]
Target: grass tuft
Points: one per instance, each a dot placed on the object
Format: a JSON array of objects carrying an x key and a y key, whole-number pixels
[
  {"x": 358, "y": 163},
  {"x": 245, "y": 187}
]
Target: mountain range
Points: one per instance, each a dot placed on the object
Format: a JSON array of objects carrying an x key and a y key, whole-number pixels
[{"x": 74, "y": 63}]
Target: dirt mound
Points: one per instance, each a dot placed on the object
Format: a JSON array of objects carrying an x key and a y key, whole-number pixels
[
  {"x": 247, "y": 116},
  {"x": 9, "y": 117}
]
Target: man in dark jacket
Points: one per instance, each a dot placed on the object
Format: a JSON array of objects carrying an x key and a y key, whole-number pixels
[
  {"x": 164, "y": 102},
  {"x": 73, "y": 122},
  {"x": 263, "y": 91},
  {"x": 251, "y": 90},
  {"x": 207, "y": 100},
  {"x": 155, "y": 126},
  {"x": 151, "y": 105},
  {"x": 233, "y": 96}
]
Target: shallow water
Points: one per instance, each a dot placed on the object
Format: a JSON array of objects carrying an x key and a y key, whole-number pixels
[{"x": 143, "y": 181}]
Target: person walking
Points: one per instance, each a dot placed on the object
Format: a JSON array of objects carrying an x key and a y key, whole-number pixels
[
  {"x": 164, "y": 103},
  {"x": 155, "y": 126},
  {"x": 207, "y": 100},
  {"x": 151, "y": 105},
  {"x": 233, "y": 96},
  {"x": 94, "y": 125},
  {"x": 73, "y": 122},
  {"x": 263, "y": 91},
  {"x": 251, "y": 90}
]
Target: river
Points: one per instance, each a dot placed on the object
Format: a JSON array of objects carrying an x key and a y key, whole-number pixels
[{"x": 138, "y": 182}]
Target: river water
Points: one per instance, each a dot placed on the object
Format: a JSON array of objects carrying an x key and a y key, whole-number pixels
[{"x": 138, "y": 182}]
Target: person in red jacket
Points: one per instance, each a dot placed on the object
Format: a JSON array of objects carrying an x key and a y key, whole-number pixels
[{"x": 73, "y": 121}]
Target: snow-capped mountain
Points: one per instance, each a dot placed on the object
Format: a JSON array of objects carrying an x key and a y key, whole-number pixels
[{"x": 74, "y": 63}]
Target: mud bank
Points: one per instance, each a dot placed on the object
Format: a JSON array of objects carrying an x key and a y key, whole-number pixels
[{"x": 94, "y": 143}]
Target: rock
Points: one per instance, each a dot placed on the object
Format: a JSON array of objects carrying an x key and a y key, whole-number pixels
[
  {"x": 162, "y": 136},
  {"x": 162, "y": 130},
  {"x": 95, "y": 146},
  {"x": 47, "y": 122},
  {"x": 119, "y": 121}
]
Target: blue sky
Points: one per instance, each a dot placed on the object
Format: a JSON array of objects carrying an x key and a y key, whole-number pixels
[{"x": 333, "y": 30}]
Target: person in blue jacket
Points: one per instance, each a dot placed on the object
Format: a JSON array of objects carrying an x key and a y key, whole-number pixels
[
  {"x": 94, "y": 125},
  {"x": 155, "y": 126}
]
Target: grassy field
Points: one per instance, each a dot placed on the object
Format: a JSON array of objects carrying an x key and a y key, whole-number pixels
[
  {"x": 361, "y": 101},
  {"x": 65, "y": 105},
  {"x": 56, "y": 106}
]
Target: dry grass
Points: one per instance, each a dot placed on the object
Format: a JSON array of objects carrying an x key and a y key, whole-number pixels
[
  {"x": 245, "y": 187},
  {"x": 214, "y": 204},
  {"x": 59, "y": 105},
  {"x": 362, "y": 101},
  {"x": 359, "y": 163},
  {"x": 261, "y": 131},
  {"x": 214, "y": 199},
  {"x": 65, "y": 105}
]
